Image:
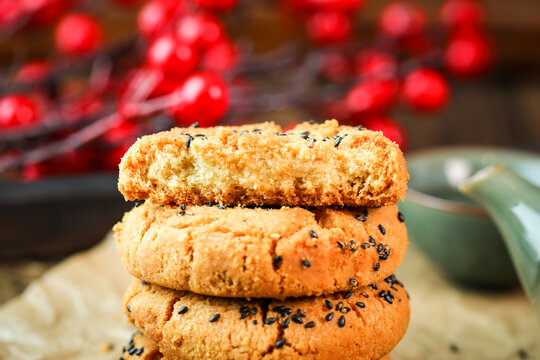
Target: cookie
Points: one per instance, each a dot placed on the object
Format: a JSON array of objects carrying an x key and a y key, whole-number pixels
[
  {"x": 150, "y": 350},
  {"x": 258, "y": 252},
  {"x": 141, "y": 348},
  {"x": 364, "y": 324},
  {"x": 266, "y": 167}
]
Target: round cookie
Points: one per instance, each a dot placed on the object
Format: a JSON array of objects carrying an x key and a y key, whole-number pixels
[
  {"x": 365, "y": 324},
  {"x": 150, "y": 350},
  {"x": 256, "y": 252},
  {"x": 354, "y": 167}
]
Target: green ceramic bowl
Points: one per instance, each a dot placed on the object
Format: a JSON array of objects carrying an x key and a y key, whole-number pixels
[{"x": 455, "y": 233}]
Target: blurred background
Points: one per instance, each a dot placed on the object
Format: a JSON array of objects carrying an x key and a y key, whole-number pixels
[{"x": 81, "y": 80}]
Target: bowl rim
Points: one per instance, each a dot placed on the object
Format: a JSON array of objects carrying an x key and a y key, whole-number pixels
[{"x": 451, "y": 205}]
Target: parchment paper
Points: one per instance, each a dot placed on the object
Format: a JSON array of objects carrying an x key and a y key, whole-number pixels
[{"x": 74, "y": 312}]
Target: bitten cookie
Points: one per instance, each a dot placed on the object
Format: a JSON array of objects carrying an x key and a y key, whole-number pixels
[
  {"x": 142, "y": 348},
  {"x": 233, "y": 167},
  {"x": 364, "y": 324},
  {"x": 257, "y": 252}
]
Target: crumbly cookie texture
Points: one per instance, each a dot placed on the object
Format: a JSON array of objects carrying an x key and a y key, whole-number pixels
[
  {"x": 150, "y": 350},
  {"x": 258, "y": 252},
  {"x": 263, "y": 166},
  {"x": 365, "y": 324},
  {"x": 141, "y": 348}
]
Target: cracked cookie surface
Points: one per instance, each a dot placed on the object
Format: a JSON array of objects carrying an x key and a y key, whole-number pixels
[
  {"x": 365, "y": 324},
  {"x": 258, "y": 252},
  {"x": 259, "y": 165}
]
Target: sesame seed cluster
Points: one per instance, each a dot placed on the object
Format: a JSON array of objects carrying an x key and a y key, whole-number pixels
[{"x": 245, "y": 280}]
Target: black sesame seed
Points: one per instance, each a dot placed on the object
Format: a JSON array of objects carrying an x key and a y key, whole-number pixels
[
  {"x": 311, "y": 122},
  {"x": 328, "y": 304},
  {"x": 329, "y": 316},
  {"x": 128, "y": 308},
  {"x": 286, "y": 323},
  {"x": 214, "y": 317},
  {"x": 353, "y": 246},
  {"x": 280, "y": 343},
  {"x": 181, "y": 213},
  {"x": 144, "y": 283},
  {"x": 139, "y": 351},
  {"x": 342, "y": 245},
  {"x": 310, "y": 325},
  {"x": 182, "y": 206},
  {"x": 372, "y": 241},
  {"x": 383, "y": 257},
  {"x": 373, "y": 286},
  {"x": 346, "y": 309},
  {"x": 388, "y": 299},
  {"x": 221, "y": 207},
  {"x": 188, "y": 141},
  {"x": 360, "y": 304},
  {"x": 400, "y": 216},
  {"x": 347, "y": 294},
  {"x": 182, "y": 310},
  {"x": 277, "y": 260},
  {"x": 353, "y": 282},
  {"x": 380, "y": 247},
  {"x": 254, "y": 311},
  {"x": 313, "y": 234},
  {"x": 132, "y": 350},
  {"x": 337, "y": 141},
  {"x": 304, "y": 133},
  {"x": 305, "y": 137},
  {"x": 139, "y": 203},
  {"x": 341, "y": 321},
  {"x": 361, "y": 127},
  {"x": 382, "y": 229},
  {"x": 361, "y": 218},
  {"x": 365, "y": 245},
  {"x": 306, "y": 263},
  {"x": 297, "y": 319},
  {"x": 278, "y": 309},
  {"x": 301, "y": 312},
  {"x": 244, "y": 315},
  {"x": 366, "y": 212},
  {"x": 339, "y": 306},
  {"x": 288, "y": 311},
  {"x": 270, "y": 321},
  {"x": 244, "y": 309},
  {"x": 255, "y": 322},
  {"x": 195, "y": 125}
]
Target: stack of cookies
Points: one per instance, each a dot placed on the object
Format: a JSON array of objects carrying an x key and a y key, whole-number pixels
[{"x": 253, "y": 243}]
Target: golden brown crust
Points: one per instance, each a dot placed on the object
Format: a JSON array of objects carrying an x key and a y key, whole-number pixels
[
  {"x": 233, "y": 252},
  {"x": 151, "y": 350},
  {"x": 228, "y": 166},
  {"x": 180, "y": 323}
]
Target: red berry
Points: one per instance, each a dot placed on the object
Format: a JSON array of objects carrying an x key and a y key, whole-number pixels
[
  {"x": 336, "y": 66},
  {"x": 425, "y": 90},
  {"x": 33, "y": 71},
  {"x": 17, "y": 111},
  {"x": 10, "y": 12},
  {"x": 328, "y": 27},
  {"x": 468, "y": 54},
  {"x": 371, "y": 96},
  {"x": 89, "y": 103},
  {"x": 289, "y": 127},
  {"x": 400, "y": 19},
  {"x": 77, "y": 33},
  {"x": 73, "y": 162},
  {"x": 200, "y": 30},
  {"x": 391, "y": 129},
  {"x": 155, "y": 17},
  {"x": 171, "y": 56},
  {"x": 326, "y": 5},
  {"x": 202, "y": 98},
  {"x": 220, "y": 57},
  {"x": 457, "y": 14},
  {"x": 375, "y": 64},
  {"x": 217, "y": 5}
]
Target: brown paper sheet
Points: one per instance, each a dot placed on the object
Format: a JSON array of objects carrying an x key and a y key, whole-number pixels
[{"x": 74, "y": 312}]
